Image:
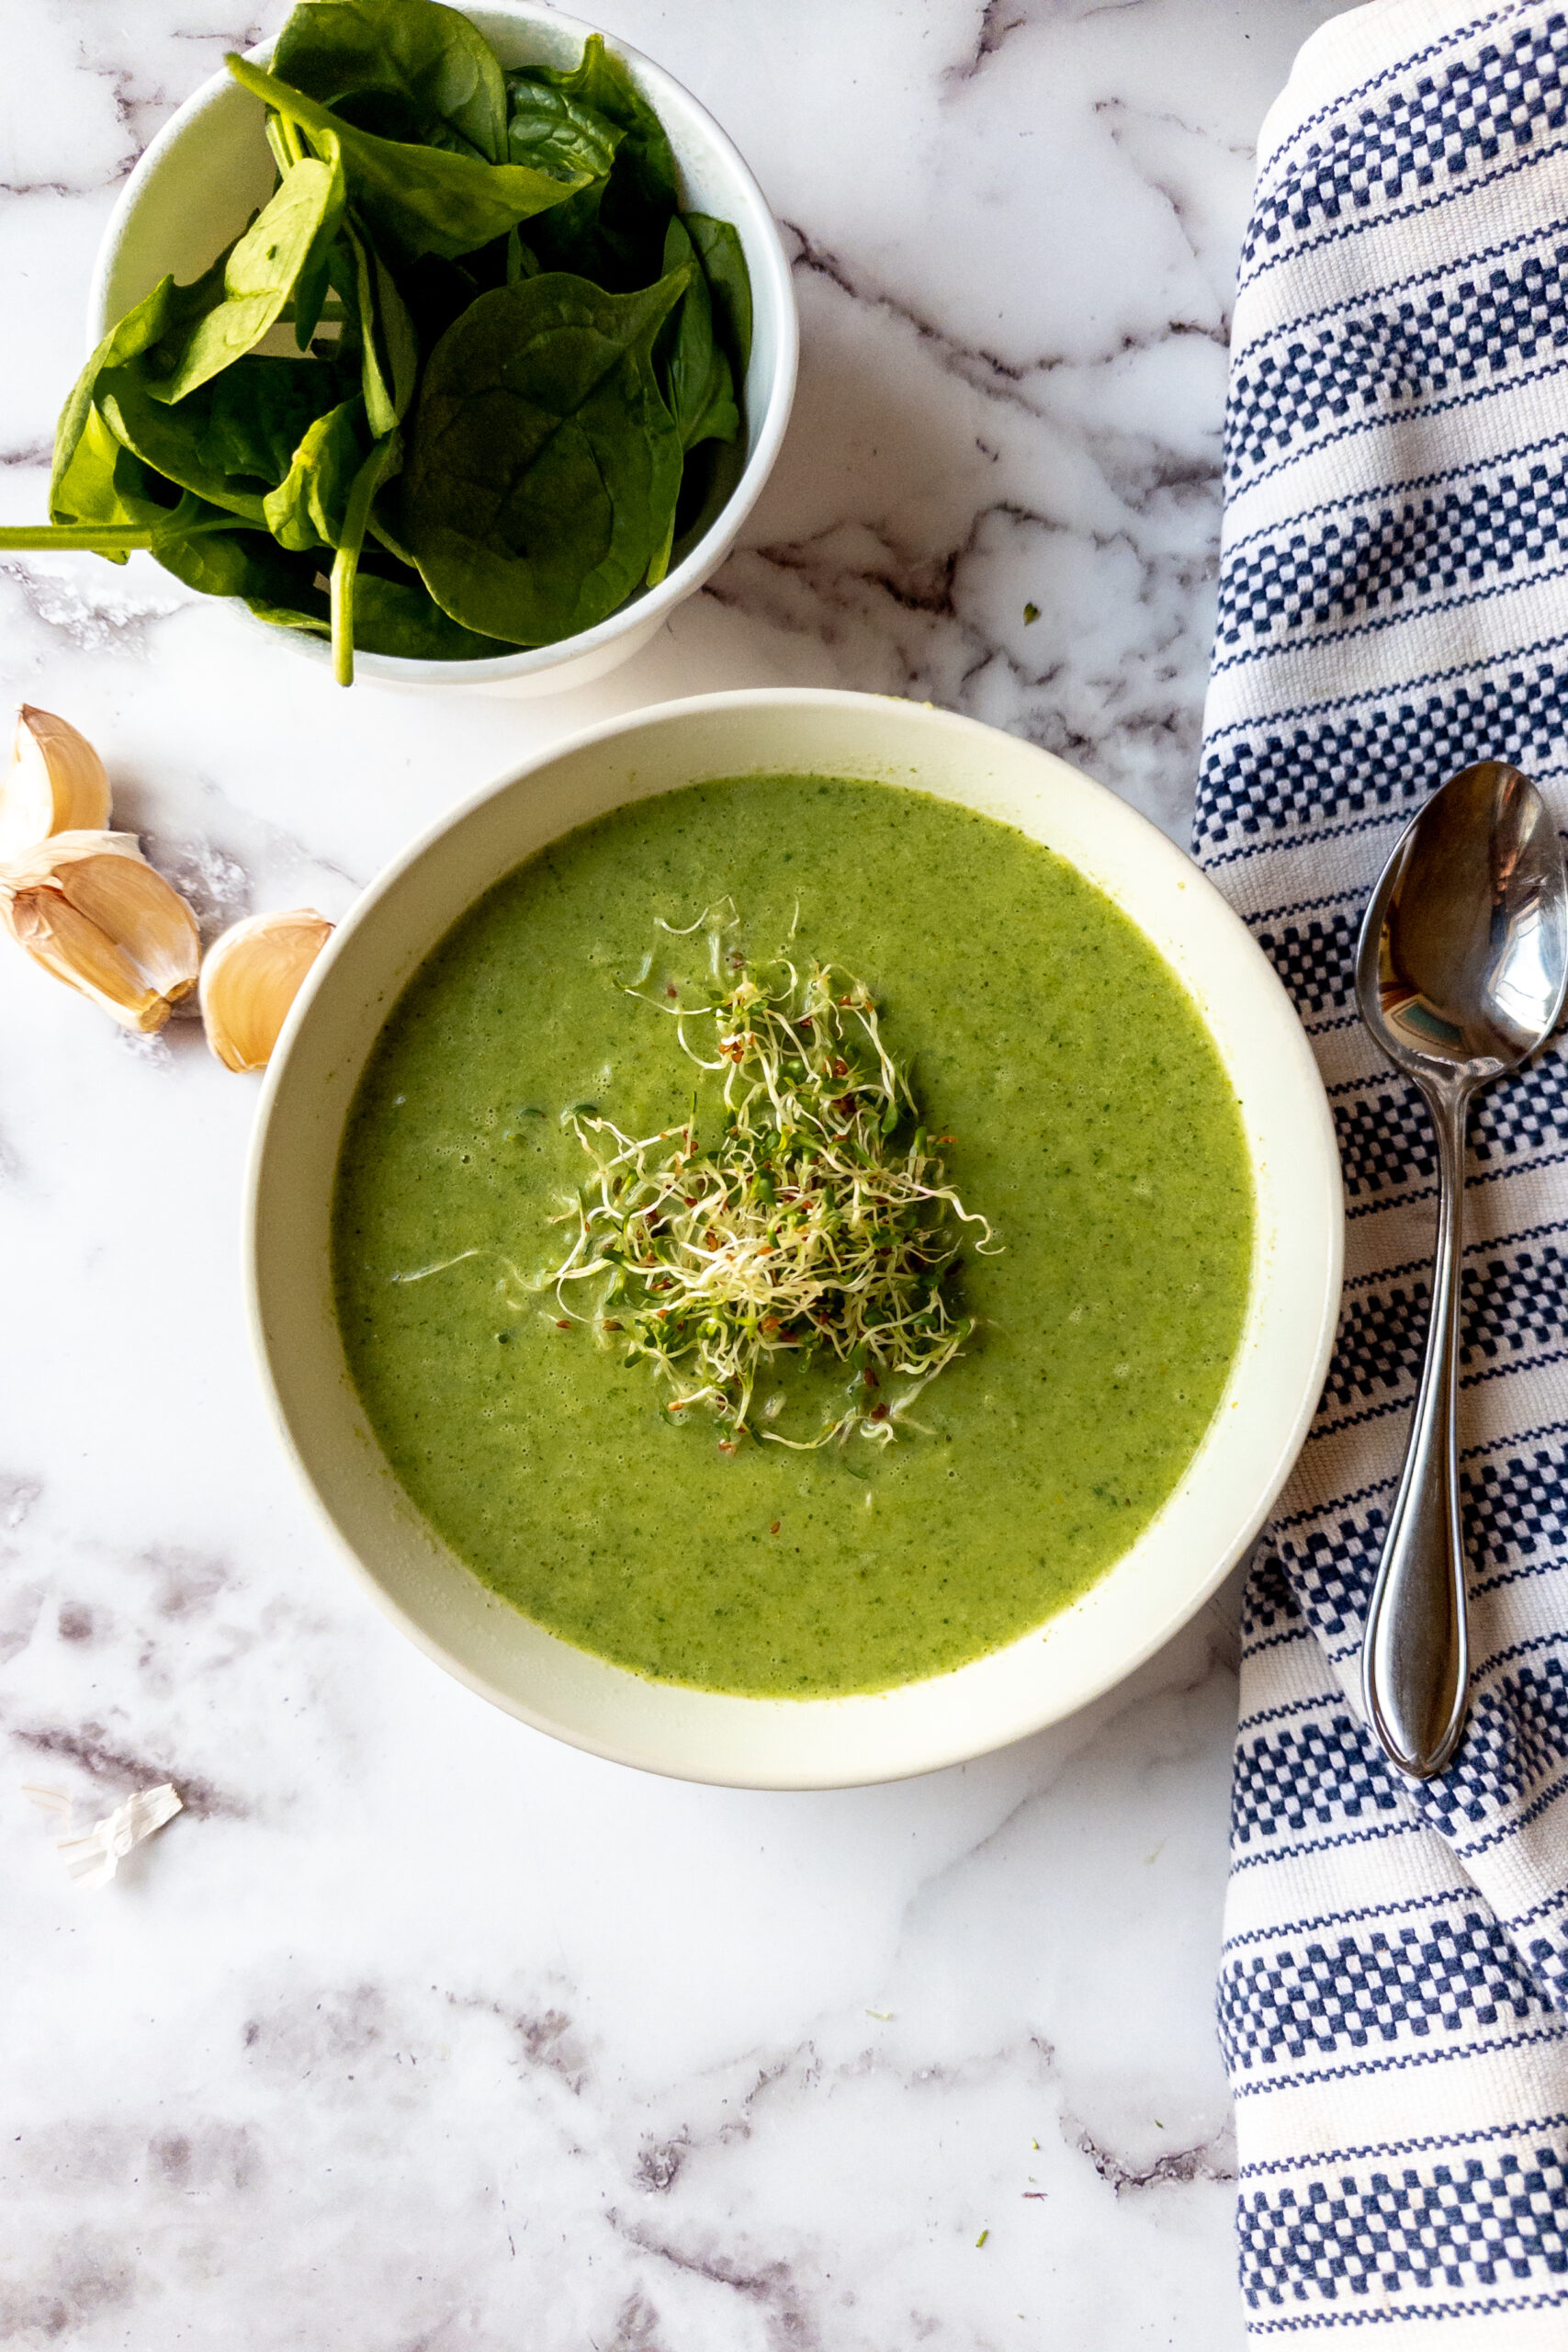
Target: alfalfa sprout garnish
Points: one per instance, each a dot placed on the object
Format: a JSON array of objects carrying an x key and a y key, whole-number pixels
[{"x": 820, "y": 1225}]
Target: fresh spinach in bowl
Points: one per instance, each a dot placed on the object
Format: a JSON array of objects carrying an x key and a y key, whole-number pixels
[{"x": 519, "y": 358}]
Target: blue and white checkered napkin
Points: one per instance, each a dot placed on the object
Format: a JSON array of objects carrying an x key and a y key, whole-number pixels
[{"x": 1394, "y": 605}]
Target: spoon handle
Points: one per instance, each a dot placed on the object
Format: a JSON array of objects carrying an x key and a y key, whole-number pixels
[{"x": 1416, "y": 1655}]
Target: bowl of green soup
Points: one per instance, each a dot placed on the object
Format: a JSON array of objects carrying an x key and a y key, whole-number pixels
[{"x": 794, "y": 1239}]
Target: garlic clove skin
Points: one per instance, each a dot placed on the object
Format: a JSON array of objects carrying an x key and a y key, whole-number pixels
[
  {"x": 250, "y": 979},
  {"x": 78, "y": 952},
  {"x": 89, "y": 908},
  {"x": 56, "y": 783},
  {"x": 130, "y": 901}
]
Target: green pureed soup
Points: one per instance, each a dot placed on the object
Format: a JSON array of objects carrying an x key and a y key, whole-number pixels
[{"x": 1093, "y": 1127}]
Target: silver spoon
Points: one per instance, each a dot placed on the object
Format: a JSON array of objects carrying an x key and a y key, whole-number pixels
[{"x": 1460, "y": 971}]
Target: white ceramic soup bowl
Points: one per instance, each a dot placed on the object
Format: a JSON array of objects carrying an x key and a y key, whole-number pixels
[
  {"x": 1181, "y": 1556},
  {"x": 209, "y": 169}
]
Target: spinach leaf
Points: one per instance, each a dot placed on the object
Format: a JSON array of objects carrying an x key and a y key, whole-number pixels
[
  {"x": 600, "y": 84},
  {"x": 222, "y": 558},
  {"x": 386, "y": 537},
  {"x": 106, "y": 484},
  {"x": 393, "y": 616},
  {"x": 729, "y": 282},
  {"x": 308, "y": 508},
  {"x": 694, "y": 373},
  {"x": 712, "y": 475},
  {"x": 391, "y": 358},
  {"x": 400, "y": 616},
  {"x": 420, "y": 199},
  {"x": 233, "y": 438},
  {"x": 312, "y": 286},
  {"x": 559, "y": 134},
  {"x": 570, "y": 238},
  {"x": 251, "y": 420},
  {"x": 155, "y": 316},
  {"x": 413, "y": 69},
  {"x": 306, "y": 618},
  {"x": 259, "y": 275},
  {"x": 543, "y": 465},
  {"x": 379, "y": 336},
  {"x": 614, "y": 231}
]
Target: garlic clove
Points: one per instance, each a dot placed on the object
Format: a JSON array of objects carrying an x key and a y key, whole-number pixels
[
  {"x": 76, "y": 952},
  {"x": 89, "y": 908},
  {"x": 56, "y": 782},
  {"x": 146, "y": 916},
  {"x": 250, "y": 978}
]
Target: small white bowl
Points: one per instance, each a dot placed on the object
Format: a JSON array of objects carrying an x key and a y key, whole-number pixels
[
  {"x": 1178, "y": 1559},
  {"x": 208, "y": 170}
]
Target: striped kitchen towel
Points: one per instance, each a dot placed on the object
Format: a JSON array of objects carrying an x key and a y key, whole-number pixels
[{"x": 1394, "y": 605}]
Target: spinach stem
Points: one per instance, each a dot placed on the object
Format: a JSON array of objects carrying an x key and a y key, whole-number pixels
[
  {"x": 110, "y": 537},
  {"x": 346, "y": 563}
]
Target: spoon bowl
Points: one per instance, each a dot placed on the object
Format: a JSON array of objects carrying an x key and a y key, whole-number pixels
[
  {"x": 1464, "y": 950},
  {"x": 1461, "y": 973}
]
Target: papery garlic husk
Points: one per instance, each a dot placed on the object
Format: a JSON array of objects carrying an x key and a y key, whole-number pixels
[
  {"x": 89, "y": 908},
  {"x": 250, "y": 978},
  {"x": 56, "y": 783}
]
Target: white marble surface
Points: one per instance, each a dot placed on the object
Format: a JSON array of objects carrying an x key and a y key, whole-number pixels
[{"x": 416, "y": 2029}]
